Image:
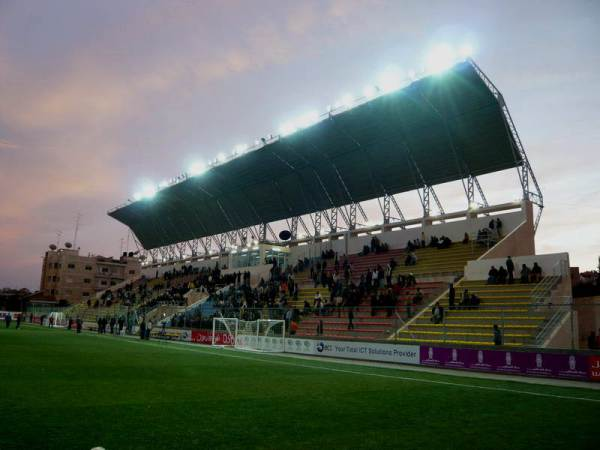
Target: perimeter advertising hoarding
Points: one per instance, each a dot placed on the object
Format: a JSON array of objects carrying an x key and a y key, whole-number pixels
[
  {"x": 205, "y": 337},
  {"x": 551, "y": 365},
  {"x": 369, "y": 351}
]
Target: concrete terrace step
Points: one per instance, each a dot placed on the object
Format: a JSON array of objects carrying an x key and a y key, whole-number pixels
[
  {"x": 467, "y": 333},
  {"x": 453, "y": 342}
]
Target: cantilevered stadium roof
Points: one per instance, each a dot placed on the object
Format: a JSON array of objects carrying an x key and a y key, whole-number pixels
[{"x": 438, "y": 129}]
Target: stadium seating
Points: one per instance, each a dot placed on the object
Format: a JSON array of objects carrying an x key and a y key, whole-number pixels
[
  {"x": 366, "y": 325},
  {"x": 512, "y": 307}
]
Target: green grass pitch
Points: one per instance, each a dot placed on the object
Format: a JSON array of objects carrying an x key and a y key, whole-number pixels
[{"x": 61, "y": 391}]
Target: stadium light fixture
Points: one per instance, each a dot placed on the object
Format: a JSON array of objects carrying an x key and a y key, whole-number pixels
[
  {"x": 390, "y": 79},
  {"x": 440, "y": 58},
  {"x": 197, "y": 168},
  {"x": 370, "y": 91},
  {"x": 308, "y": 119},
  {"x": 465, "y": 51},
  {"x": 287, "y": 128},
  {"x": 148, "y": 192},
  {"x": 240, "y": 149}
]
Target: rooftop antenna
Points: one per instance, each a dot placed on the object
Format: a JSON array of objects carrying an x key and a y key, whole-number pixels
[
  {"x": 58, "y": 236},
  {"x": 127, "y": 244},
  {"x": 121, "y": 247},
  {"x": 77, "y": 223}
]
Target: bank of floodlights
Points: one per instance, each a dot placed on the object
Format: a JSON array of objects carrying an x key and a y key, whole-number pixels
[{"x": 438, "y": 60}]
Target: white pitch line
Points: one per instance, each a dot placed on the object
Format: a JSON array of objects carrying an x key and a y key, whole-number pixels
[{"x": 356, "y": 372}]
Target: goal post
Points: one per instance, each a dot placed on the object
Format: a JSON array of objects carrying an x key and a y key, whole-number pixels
[
  {"x": 262, "y": 335},
  {"x": 225, "y": 331}
]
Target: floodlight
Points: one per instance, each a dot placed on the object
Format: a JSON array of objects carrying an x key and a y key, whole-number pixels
[
  {"x": 287, "y": 128},
  {"x": 148, "y": 192},
  {"x": 197, "y": 168},
  {"x": 346, "y": 100},
  {"x": 390, "y": 79},
  {"x": 465, "y": 51},
  {"x": 221, "y": 157},
  {"x": 308, "y": 119},
  {"x": 163, "y": 184},
  {"x": 137, "y": 196},
  {"x": 440, "y": 58},
  {"x": 370, "y": 91}
]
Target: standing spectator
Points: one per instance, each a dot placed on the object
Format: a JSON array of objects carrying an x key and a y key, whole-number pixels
[
  {"x": 591, "y": 340},
  {"x": 536, "y": 273},
  {"x": 525, "y": 274},
  {"x": 143, "y": 329},
  {"x": 510, "y": 268},
  {"x": 350, "y": 319},
  {"x": 451, "y": 296},
  {"x": 497, "y": 335},
  {"x": 320, "y": 328},
  {"x": 499, "y": 226},
  {"x": 19, "y": 321},
  {"x": 7, "y": 319},
  {"x": 79, "y": 325}
]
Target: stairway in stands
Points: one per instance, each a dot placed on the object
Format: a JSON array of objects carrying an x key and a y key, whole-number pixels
[{"x": 512, "y": 306}]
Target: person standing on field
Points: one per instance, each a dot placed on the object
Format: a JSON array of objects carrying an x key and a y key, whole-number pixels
[{"x": 18, "y": 321}]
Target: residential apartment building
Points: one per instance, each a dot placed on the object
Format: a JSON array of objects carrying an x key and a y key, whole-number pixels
[{"x": 66, "y": 275}]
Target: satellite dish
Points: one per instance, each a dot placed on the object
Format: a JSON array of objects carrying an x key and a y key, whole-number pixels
[
  {"x": 143, "y": 257},
  {"x": 130, "y": 254},
  {"x": 68, "y": 245},
  {"x": 285, "y": 235},
  {"x": 52, "y": 247}
]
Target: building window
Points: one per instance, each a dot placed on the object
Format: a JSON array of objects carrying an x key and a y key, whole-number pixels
[
  {"x": 88, "y": 267},
  {"x": 49, "y": 278},
  {"x": 86, "y": 294},
  {"x": 104, "y": 269},
  {"x": 56, "y": 265},
  {"x": 131, "y": 272},
  {"x": 103, "y": 282},
  {"x": 87, "y": 280},
  {"x": 51, "y": 291},
  {"x": 113, "y": 282},
  {"x": 71, "y": 266}
]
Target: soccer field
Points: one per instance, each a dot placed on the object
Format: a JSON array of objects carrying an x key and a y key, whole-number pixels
[{"x": 60, "y": 390}]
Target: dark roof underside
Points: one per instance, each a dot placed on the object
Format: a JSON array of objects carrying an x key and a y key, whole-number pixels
[{"x": 449, "y": 126}]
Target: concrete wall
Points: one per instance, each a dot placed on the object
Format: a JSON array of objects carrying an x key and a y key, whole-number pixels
[
  {"x": 565, "y": 334},
  {"x": 520, "y": 241},
  {"x": 397, "y": 239},
  {"x": 478, "y": 270}
]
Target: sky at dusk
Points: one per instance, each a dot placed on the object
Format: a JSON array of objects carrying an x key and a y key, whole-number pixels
[{"x": 98, "y": 96}]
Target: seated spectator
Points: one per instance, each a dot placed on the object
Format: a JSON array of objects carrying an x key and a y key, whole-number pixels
[
  {"x": 464, "y": 301},
  {"x": 465, "y": 238},
  {"x": 492, "y": 275},
  {"x": 525, "y": 272},
  {"x": 437, "y": 313},
  {"x": 474, "y": 302},
  {"x": 434, "y": 241},
  {"x": 411, "y": 259},
  {"x": 502, "y": 274},
  {"x": 536, "y": 273}
]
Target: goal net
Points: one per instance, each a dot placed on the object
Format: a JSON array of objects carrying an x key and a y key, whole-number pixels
[
  {"x": 225, "y": 330},
  {"x": 262, "y": 335}
]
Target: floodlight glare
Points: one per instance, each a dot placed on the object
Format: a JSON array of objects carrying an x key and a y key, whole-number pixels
[
  {"x": 197, "y": 168},
  {"x": 137, "y": 196},
  {"x": 370, "y": 92},
  {"x": 221, "y": 157},
  {"x": 390, "y": 79},
  {"x": 148, "y": 192},
  {"x": 440, "y": 58},
  {"x": 163, "y": 184},
  {"x": 308, "y": 119},
  {"x": 346, "y": 100},
  {"x": 465, "y": 51},
  {"x": 287, "y": 128},
  {"x": 240, "y": 148}
]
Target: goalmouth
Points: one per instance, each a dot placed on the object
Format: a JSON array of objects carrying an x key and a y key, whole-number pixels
[{"x": 262, "y": 335}]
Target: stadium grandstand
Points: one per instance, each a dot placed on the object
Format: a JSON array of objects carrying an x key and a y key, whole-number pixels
[{"x": 325, "y": 266}]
